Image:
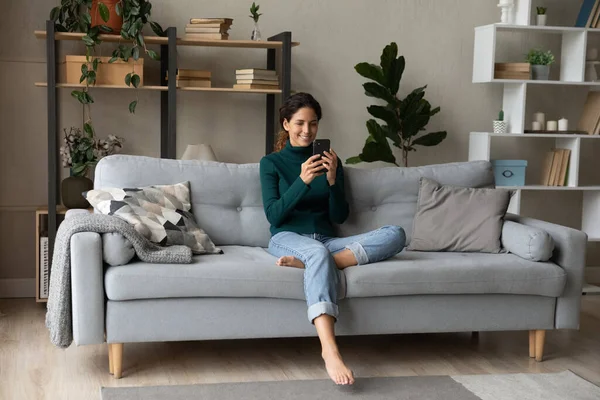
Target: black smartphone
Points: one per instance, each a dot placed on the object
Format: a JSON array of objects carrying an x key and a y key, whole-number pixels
[{"x": 321, "y": 145}]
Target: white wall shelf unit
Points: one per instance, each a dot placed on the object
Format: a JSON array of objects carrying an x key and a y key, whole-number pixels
[{"x": 514, "y": 99}]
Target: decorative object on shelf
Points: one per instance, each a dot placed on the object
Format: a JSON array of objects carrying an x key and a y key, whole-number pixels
[
  {"x": 255, "y": 16},
  {"x": 81, "y": 151},
  {"x": 404, "y": 119},
  {"x": 208, "y": 28},
  {"x": 541, "y": 118},
  {"x": 563, "y": 124},
  {"x": 590, "y": 116},
  {"x": 75, "y": 16},
  {"x": 509, "y": 172},
  {"x": 192, "y": 78},
  {"x": 256, "y": 78},
  {"x": 540, "y": 63},
  {"x": 536, "y": 126},
  {"x": 201, "y": 152},
  {"x": 506, "y": 7},
  {"x": 541, "y": 16},
  {"x": 554, "y": 171},
  {"x": 107, "y": 73},
  {"x": 591, "y": 75},
  {"x": 551, "y": 126},
  {"x": 521, "y": 71},
  {"x": 500, "y": 123},
  {"x": 99, "y": 11}
]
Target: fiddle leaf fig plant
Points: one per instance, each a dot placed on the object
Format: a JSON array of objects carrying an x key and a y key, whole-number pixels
[{"x": 404, "y": 118}]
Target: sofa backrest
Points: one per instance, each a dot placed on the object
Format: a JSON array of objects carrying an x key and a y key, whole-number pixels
[{"x": 227, "y": 201}]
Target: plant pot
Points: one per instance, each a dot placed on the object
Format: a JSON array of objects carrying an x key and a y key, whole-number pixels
[
  {"x": 72, "y": 188},
  {"x": 114, "y": 21},
  {"x": 499, "y": 126},
  {"x": 540, "y": 72},
  {"x": 541, "y": 19}
]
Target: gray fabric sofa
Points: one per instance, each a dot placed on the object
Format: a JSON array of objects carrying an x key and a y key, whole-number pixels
[{"x": 243, "y": 294}]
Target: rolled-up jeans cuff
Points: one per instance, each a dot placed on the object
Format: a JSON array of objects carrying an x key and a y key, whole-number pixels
[
  {"x": 359, "y": 253},
  {"x": 321, "y": 308}
]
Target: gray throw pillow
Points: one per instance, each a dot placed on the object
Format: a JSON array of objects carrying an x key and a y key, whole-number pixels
[
  {"x": 527, "y": 242},
  {"x": 460, "y": 219},
  {"x": 116, "y": 249}
]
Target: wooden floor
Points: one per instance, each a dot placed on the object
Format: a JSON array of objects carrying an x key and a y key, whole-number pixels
[{"x": 31, "y": 368}]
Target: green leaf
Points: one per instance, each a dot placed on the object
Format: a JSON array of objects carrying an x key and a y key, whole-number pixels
[
  {"x": 153, "y": 55},
  {"x": 119, "y": 9},
  {"x": 87, "y": 19},
  {"x": 136, "y": 53},
  {"x": 90, "y": 154},
  {"x": 140, "y": 39},
  {"x": 84, "y": 68},
  {"x": 87, "y": 128},
  {"x": 370, "y": 71},
  {"x": 112, "y": 59},
  {"x": 91, "y": 78},
  {"x": 394, "y": 74},
  {"x": 374, "y": 151},
  {"x": 377, "y": 132},
  {"x": 135, "y": 80},
  {"x": 132, "y": 106},
  {"x": 430, "y": 139},
  {"x": 156, "y": 28},
  {"x": 128, "y": 79},
  {"x": 386, "y": 114},
  {"x": 78, "y": 170},
  {"x": 78, "y": 95},
  {"x": 104, "y": 13},
  {"x": 82, "y": 78},
  {"x": 106, "y": 29},
  {"x": 93, "y": 32},
  {"x": 353, "y": 160},
  {"x": 88, "y": 99},
  {"x": 54, "y": 13},
  {"x": 88, "y": 40},
  {"x": 95, "y": 64},
  {"x": 411, "y": 102},
  {"x": 373, "y": 89},
  {"x": 388, "y": 56},
  {"x": 134, "y": 11}
]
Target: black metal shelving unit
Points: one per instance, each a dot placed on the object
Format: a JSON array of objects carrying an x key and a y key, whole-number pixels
[{"x": 168, "y": 105}]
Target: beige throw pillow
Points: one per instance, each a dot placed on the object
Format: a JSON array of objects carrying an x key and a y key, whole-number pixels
[{"x": 458, "y": 219}]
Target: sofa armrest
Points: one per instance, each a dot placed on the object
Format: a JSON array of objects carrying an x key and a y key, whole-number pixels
[
  {"x": 87, "y": 288},
  {"x": 570, "y": 247}
]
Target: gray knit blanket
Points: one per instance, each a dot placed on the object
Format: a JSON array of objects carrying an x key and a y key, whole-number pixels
[{"x": 58, "y": 315}]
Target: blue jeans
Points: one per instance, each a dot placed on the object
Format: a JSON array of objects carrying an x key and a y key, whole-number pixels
[{"x": 320, "y": 273}]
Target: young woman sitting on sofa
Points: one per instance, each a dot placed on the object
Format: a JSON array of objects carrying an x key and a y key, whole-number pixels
[{"x": 302, "y": 201}]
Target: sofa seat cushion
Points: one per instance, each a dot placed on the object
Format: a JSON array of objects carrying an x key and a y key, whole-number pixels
[
  {"x": 412, "y": 272},
  {"x": 241, "y": 271}
]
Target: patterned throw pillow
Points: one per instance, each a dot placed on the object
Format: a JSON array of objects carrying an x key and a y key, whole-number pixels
[{"x": 159, "y": 212}]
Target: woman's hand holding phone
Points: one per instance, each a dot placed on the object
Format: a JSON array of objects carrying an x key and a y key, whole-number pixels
[
  {"x": 330, "y": 161},
  {"x": 311, "y": 168}
]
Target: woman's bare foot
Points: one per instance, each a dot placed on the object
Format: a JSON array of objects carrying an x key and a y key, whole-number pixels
[
  {"x": 290, "y": 261},
  {"x": 337, "y": 370}
]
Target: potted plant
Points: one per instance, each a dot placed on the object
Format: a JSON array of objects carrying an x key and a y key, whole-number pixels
[
  {"x": 255, "y": 15},
  {"x": 81, "y": 151},
  {"x": 128, "y": 16},
  {"x": 541, "y": 15},
  {"x": 540, "y": 63},
  {"x": 500, "y": 123},
  {"x": 404, "y": 119}
]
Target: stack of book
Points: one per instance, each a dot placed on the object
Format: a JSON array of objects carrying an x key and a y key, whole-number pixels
[
  {"x": 256, "y": 78},
  {"x": 589, "y": 14},
  {"x": 556, "y": 166},
  {"x": 520, "y": 71},
  {"x": 208, "y": 28},
  {"x": 192, "y": 78},
  {"x": 590, "y": 116}
]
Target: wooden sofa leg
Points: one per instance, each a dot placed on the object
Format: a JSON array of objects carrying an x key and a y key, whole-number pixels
[
  {"x": 110, "y": 359},
  {"x": 532, "y": 344},
  {"x": 540, "y": 336},
  {"x": 117, "y": 359}
]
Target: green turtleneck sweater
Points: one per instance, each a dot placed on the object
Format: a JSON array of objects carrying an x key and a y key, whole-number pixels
[{"x": 292, "y": 205}]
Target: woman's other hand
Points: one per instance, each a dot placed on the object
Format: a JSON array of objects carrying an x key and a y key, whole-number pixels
[
  {"x": 311, "y": 168},
  {"x": 330, "y": 161}
]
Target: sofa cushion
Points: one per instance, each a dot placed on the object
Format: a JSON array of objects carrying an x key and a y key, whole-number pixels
[
  {"x": 453, "y": 218},
  {"x": 413, "y": 272},
  {"x": 527, "y": 242},
  {"x": 116, "y": 249},
  {"x": 160, "y": 213},
  {"x": 239, "y": 272}
]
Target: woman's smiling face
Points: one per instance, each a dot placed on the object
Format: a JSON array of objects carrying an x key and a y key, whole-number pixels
[{"x": 302, "y": 127}]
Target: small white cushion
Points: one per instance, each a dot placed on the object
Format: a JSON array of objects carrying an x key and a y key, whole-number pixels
[{"x": 116, "y": 249}]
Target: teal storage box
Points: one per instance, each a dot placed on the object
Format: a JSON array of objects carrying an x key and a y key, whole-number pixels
[{"x": 509, "y": 172}]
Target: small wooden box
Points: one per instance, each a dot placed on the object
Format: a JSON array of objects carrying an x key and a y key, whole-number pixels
[{"x": 107, "y": 74}]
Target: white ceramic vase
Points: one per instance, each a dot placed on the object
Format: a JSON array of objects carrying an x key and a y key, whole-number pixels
[
  {"x": 541, "y": 19},
  {"x": 499, "y": 126}
]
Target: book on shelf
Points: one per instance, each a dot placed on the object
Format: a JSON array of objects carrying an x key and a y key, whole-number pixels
[
  {"x": 258, "y": 72},
  {"x": 207, "y": 36},
  {"x": 257, "y": 76},
  {"x": 590, "y": 116},
  {"x": 512, "y": 71},
  {"x": 193, "y": 73},
  {"x": 253, "y": 86},
  {"x": 588, "y": 14},
  {"x": 204, "y": 21},
  {"x": 44, "y": 272},
  {"x": 208, "y": 28},
  {"x": 258, "y": 82},
  {"x": 555, "y": 168},
  {"x": 192, "y": 78}
]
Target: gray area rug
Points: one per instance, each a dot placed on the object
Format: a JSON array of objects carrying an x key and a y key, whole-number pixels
[{"x": 563, "y": 385}]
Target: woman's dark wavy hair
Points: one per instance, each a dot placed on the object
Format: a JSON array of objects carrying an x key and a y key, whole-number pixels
[{"x": 290, "y": 107}]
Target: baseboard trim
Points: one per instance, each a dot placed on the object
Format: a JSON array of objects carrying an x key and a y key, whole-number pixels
[
  {"x": 16, "y": 288},
  {"x": 592, "y": 274}
]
